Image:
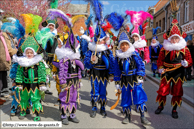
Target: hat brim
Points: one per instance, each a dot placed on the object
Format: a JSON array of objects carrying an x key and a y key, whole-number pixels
[{"x": 135, "y": 34}]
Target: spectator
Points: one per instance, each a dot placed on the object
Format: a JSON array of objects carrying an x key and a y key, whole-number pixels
[
  {"x": 5, "y": 60},
  {"x": 188, "y": 70}
]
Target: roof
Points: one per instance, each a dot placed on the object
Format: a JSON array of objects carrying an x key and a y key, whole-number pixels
[{"x": 160, "y": 4}]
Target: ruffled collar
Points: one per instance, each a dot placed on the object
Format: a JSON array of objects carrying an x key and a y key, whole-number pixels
[
  {"x": 140, "y": 44},
  {"x": 126, "y": 54},
  {"x": 155, "y": 44},
  {"x": 25, "y": 62},
  {"x": 100, "y": 47},
  {"x": 66, "y": 53},
  {"x": 177, "y": 46}
]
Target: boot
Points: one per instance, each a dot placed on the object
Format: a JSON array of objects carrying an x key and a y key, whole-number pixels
[
  {"x": 13, "y": 112},
  {"x": 174, "y": 112},
  {"x": 159, "y": 109},
  {"x": 102, "y": 111},
  {"x": 73, "y": 118},
  {"x": 64, "y": 119},
  {"x": 48, "y": 92},
  {"x": 27, "y": 111},
  {"x": 143, "y": 119},
  {"x": 22, "y": 115},
  {"x": 127, "y": 118},
  {"x": 94, "y": 109},
  {"x": 154, "y": 74}
]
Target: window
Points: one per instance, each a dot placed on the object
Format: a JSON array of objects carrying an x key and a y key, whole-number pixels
[
  {"x": 163, "y": 24},
  {"x": 156, "y": 24},
  {"x": 170, "y": 19},
  {"x": 159, "y": 25},
  {"x": 186, "y": 11},
  {"x": 178, "y": 16}
]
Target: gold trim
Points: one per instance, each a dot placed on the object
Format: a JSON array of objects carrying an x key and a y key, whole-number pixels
[{"x": 184, "y": 79}]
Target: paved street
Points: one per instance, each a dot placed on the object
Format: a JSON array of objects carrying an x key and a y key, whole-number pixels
[{"x": 114, "y": 117}]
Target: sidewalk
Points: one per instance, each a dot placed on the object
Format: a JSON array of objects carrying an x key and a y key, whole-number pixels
[{"x": 188, "y": 86}]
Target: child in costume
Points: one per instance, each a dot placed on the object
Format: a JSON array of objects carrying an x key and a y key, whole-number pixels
[
  {"x": 30, "y": 77},
  {"x": 69, "y": 72},
  {"x": 137, "y": 18},
  {"x": 173, "y": 58},
  {"x": 129, "y": 72},
  {"x": 154, "y": 50}
]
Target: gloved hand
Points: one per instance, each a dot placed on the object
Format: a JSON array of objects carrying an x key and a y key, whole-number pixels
[
  {"x": 43, "y": 88},
  {"x": 184, "y": 63},
  {"x": 81, "y": 30},
  {"x": 19, "y": 87},
  {"x": 160, "y": 70},
  {"x": 118, "y": 87},
  {"x": 140, "y": 80}
]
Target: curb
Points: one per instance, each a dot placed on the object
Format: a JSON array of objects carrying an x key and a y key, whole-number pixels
[{"x": 185, "y": 98}]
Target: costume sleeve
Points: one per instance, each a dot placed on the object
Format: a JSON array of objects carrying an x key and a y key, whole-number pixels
[
  {"x": 54, "y": 68},
  {"x": 8, "y": 42},
  {"x": 19, "y": 76},
  {"x": 140, "y": 70},
  {"x": 146, "y": 54},
  {"x": 111, "y": 63},
  {"x": 117, "y": 73},
  {"x": 13, "y": 71},
  {"x": 41, "y": 74},
  {"x": 161, "y": 58},
  {"x": 63, "y": 69},
  {"x": 188, "y": 57},
  {"x": 87, "y": 59},
  {"x": 150, "y": 51}
]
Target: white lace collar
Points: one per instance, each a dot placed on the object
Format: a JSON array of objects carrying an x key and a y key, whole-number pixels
[
  {"x": 66, "y": 52},
  {"x": 126, "y": 54},
  {"x": 140, "y": 44},
  {"x": 100, "y": 47},
  {"x": 177, "y": 46},
  {"x": 155, "y": 44},
  {"x": 25, "y": 62}
]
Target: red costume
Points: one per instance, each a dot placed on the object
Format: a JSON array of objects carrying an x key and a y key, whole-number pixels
[{"x": 172, "y": 61}]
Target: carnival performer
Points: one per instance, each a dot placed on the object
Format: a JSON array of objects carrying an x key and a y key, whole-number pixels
[
  {"x": 69, "y": 71},
  {"x": 129, "y": 71},
  {"x": 17, "y": 31},
  {"x": 154, "y": 50},
  {"x": 137, "y": 19},
  {"x": 30, "y": 77},
  {"x": 173, "y": 58}
]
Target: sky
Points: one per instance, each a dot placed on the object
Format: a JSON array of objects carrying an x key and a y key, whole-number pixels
[{"x": 120, "y": 7}]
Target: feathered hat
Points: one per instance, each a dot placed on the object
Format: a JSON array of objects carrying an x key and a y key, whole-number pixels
[
  {"x": 154, "y": 32},
  {"x": 175, "y": 29},
  {"x": 15, "y": 28},
  {"x": 97, "y": 9},
  {"x": 71, "y": 42},
  {"x": 31, "y": 23},
  {"x": 90, "y": 30},
  {"x": 137, "y": 19}
]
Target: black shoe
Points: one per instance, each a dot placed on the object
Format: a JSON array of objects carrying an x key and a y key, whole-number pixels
[
  {"x": 75, "y": 120},
  {"x": 145, "y": 121},
  {"x": 154, "y": 75},
  {"x": 174, "y": 114},
  {"x": 103, "y": 112},
  {"x": 65, "y": 121},
  {"x": 159, "y": 109},
  {"x": 93, "y": 114},
  {"x": 145, "y": 79},
  {"x": 48, "y": 92}
]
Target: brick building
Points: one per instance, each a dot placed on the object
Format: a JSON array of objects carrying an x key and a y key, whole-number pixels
[{"x": 162, "y": 17}]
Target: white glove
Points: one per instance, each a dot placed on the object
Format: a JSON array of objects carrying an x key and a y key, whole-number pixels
[
  {"x": 160, "y": 70},
  {"x": 81, "y": 84},
  {"x": 140, "y": 80},
  {"x": 20, "y": 87},
  {"x": 118, "y": 87},
  {"x": 81, "y": 30},
  {"x": 47, "y": 79},
  {"x": 184, "y": 63},
  {"x": 43, "y": 88}
]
